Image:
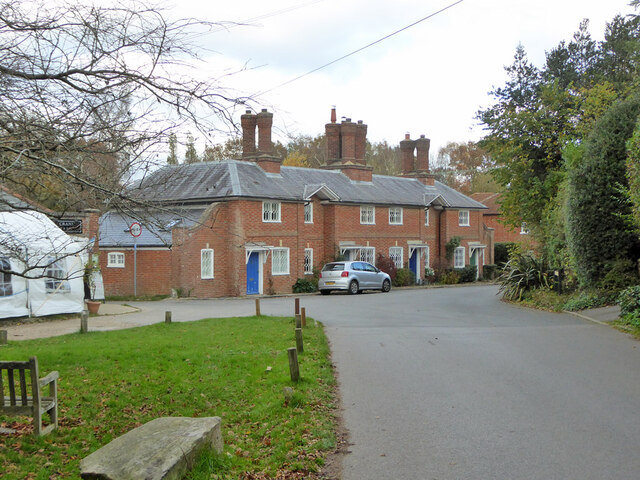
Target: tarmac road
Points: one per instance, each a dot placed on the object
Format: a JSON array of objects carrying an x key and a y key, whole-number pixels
[{"x": 453, "y": 384}]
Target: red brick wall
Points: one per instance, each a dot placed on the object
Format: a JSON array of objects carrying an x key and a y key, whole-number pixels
[
  {"x": 228, "y": 226},
  {"x": 154, "y": 272},
  {"x": 504, "y": 233}
]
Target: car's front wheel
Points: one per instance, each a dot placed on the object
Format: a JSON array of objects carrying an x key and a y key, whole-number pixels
[
  {"x": 386, "y": 286},
  {"x": 353, "y": 287}
]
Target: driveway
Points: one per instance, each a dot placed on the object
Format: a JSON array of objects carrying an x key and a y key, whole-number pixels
[{"x": 454, "y": 384}]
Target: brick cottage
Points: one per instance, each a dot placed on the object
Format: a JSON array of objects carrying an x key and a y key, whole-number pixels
[{"x": 253, "y": 226}]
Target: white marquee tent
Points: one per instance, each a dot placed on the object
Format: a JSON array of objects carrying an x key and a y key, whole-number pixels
[{"x": 50, "y": 261}]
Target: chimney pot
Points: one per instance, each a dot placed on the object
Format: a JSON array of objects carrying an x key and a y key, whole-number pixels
[
  {"x": 264, "y": 109},
  {"x": 407, "y": 136},
  {"x": 333, "y": 114}
]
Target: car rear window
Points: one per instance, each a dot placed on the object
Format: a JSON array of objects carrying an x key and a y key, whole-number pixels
[{"x": 332, "y": 267}]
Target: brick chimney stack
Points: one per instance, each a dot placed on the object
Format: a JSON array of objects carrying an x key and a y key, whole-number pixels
[
  {"x": 361, "y": 142},
  {"x": 407, "y": 147},
  {"x": 348, "y": 130},
  {"x": 265, "y": 121},
  {"x": 248, "y": 122},
  {"x": 346, "y": 148},
  {"x": 422, "y": 150},
  {"x": 332, "y": 132}
]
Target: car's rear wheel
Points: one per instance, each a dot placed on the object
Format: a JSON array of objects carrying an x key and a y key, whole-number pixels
[
  {"x": 353, "y": 287},
  {"x": 325, "y": 292},
  {"x": 386, "y": 286}
]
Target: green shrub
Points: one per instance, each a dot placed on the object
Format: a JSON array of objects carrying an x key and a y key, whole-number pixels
[
  {"x": 501, "y": 252},
  {"x": 598, "y": 227},
  {"x": 620, "y": 274},
  {"x": 467, "y": 274},
  {"x": 451, "y": 246},
  {"x": 449, "y": 277},
  {"x": 629, "y": 300},
  {"x": 489, "y": 272},
  {"x": 523, "y": 272},
  {"x": 589, "y": 299},
  {"x": 404, "y": 277},
  {"x": 304, "y": 285}
]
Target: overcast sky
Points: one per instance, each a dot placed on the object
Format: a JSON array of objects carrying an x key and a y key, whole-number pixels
[{"x": 429, "y": 79}]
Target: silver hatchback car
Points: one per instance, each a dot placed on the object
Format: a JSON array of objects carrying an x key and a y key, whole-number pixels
[{"x": 353, "y": 277}]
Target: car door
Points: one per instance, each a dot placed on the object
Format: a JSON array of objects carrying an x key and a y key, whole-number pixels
[{"x": 373, "y": 278}]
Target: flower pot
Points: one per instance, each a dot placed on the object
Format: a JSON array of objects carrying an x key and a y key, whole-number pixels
[{"x": 93, "y": 306}]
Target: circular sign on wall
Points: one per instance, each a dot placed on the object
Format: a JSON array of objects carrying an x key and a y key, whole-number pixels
[{"x": 135, "y": 229}]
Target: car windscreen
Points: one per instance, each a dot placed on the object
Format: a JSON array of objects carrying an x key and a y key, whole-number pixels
[{"x": 332, "y": 267}]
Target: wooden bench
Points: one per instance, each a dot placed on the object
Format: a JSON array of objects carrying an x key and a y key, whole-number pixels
[{"x": 28, "y": 401}]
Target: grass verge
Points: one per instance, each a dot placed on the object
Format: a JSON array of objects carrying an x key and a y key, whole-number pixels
[{"x": 111, "y": 382}]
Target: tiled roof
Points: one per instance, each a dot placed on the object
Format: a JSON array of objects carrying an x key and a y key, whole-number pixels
[
  {"x": 490, "y": 200},
  {"x": 156, "y": 231},
  {"x": 209, "y": 181}
]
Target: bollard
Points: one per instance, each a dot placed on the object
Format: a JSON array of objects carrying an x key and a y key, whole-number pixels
[
  {"x": 84, "y": 321},
  {"x": 167, "y": 317},
  {"x": 303, "y": 314},
  {"x": 297, "y": 306},
  {"x": 3, "y": 338},
  {"x": 299, "y": 345},
  {"x": 298, "y": 321},
  {"x": 257, "y": 307},
  {"x": 294, "y": 369}
]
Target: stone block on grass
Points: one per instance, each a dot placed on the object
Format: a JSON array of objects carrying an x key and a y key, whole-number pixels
[{"x": 163, "y": 449}]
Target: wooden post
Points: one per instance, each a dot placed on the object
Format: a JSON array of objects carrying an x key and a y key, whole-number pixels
[
  {"x": 257, "y": 307},
  {"x": 299, "y": 345},
  {"x": 298, "y": 321},
  {"x": 297, "y": 306},
  {"x": 3, "y": 337},
  {"x": 167, "y": 317},
  {"x": 303, "y": 314},
  {"x": 84, "y": 321},
  {"x": 294, "y": 369}
]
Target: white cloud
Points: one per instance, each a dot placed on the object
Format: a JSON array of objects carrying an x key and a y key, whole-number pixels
[{"x": 429, "y": 79}]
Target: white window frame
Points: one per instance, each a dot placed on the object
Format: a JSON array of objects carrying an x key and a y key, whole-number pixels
[
  {"x": 395, "y": 215},
  {"x": 56, "y": 276},
  {"x": 427, "y": 257},
  {"x": 115, "y": 260},
  {"x": 463, "y": 218},
  {"x": 308, "y": 212},
  {"x": 368, "y": 254},
  {"x": 459, "y": 257},
  {"x": 308, "y": 261},
  {"x": 6, "y": 287},
  {"x": 367, "y": 215},
  {"x": 207, "y": 264},
  {"x": 271, "y": 211},
  {"x": 396, "y": 255},
  {"x": 426, "y": 217},
  {"x": 280, "y": 261},
  {"x": 523, "y": 229}
]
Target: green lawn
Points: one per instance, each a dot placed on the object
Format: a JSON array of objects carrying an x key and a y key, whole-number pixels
[{"x": 111, "y": 382}]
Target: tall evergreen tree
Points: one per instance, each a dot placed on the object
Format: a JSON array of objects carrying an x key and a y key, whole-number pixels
[
  {"x": 597, "y": 227},
  {"x": 191, "y": 154},
  {"x": 172, "y": 158}
]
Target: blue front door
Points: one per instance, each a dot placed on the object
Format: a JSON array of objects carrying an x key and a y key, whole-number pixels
[
  {"x": 413, "y": 263},
  {"x": 253, "y": 272}
]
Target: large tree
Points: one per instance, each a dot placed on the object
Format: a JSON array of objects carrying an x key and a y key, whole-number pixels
[
  {"x": 81, "y": 83},
  {"x": 89, "y": 95},
  {"x": 597, "y": 217}
]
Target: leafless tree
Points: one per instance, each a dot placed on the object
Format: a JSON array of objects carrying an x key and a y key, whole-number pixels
[{"x": 90, "y": 94}]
